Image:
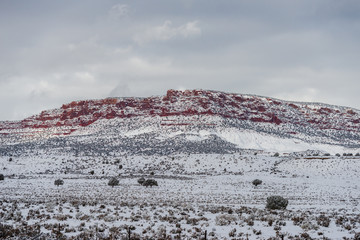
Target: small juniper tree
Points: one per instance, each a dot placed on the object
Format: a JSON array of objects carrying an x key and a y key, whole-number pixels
[
  {"x": 150, "y": 182},
  {"x": 256, "y": 182},
  {"x": 141, "y": 180},
  {"x": 2, "y": 177},
  {"x": 59, "y": 182},
  {"x": 276, "y": 202},
  {"x": 113, "y": 182}
]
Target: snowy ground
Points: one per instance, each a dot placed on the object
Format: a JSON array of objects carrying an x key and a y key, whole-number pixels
[{"x": 197, "y": 195}]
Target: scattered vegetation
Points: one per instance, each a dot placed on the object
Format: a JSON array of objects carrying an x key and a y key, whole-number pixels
[
  {"x": 79, "y": 212},
  {"x": 2, "y": 177}
]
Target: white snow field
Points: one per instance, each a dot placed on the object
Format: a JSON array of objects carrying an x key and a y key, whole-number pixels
[{"x": 197, "y": 196}]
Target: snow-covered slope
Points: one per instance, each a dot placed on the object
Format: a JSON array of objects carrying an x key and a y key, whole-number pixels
[{"x": 195, "y": 121}]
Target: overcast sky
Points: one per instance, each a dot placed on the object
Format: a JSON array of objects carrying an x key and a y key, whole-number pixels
[{"x": 54, "y": 52}]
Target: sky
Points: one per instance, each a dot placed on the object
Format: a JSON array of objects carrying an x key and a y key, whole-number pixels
[{"x": 55, "y": 52}]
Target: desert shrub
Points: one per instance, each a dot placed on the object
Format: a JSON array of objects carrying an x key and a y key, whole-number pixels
[
  {"x": 348, "y": 227},
  {"x": 341, "y": 220},
  {"x": 338, "y": 154},
  {"x": 141, "y": 180},
  {"x": 150, "y": 182},
  {"x": 276, "y": 202},
  {"x": 357, "y": 154},
  {"x": 2, "y": 177},
  {"x": 297, "y": 220},
  {"x": 59, "y": 182},
  {"x": 276, "y": 154},
  {"x": 256, "y": 182},
  {"x": 322, "y": 220},
  {"x": 113, "y": 182},
  {"x": 327, "y": 154},
  {"x": 308, "y": 226},
  {"x": 305, "y": 236},
  {"x": 224, "y": 219},
  {"x": 92, "y": 172}
]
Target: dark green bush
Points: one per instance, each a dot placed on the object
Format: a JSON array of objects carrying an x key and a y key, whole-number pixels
[
  {"x": 59, "y": 182},
  {"x": 276, "y": 202},
  {"x": 113, "y": 182},
  {"x": 141, "y": 180},
  {"x": 150, "y": 183},
  {"x": 256, "y": 182}
]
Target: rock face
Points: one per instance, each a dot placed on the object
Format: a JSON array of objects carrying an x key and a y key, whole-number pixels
[{"x": 182, "y": 120}]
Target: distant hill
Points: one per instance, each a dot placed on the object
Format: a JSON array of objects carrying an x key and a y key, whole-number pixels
[{"x": 190, "y": 121}]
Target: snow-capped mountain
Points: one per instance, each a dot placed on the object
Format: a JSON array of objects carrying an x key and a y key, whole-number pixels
[{"x": 196, "y": 121}]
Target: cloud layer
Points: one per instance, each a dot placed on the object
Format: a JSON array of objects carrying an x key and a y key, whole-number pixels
[{"x": 57, "y": 52}]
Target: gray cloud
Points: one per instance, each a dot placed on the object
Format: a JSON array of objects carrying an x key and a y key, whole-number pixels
[
  {"x": 167, "y": 32},
  {"x": 118, "y": 11},
  {"x": 56, "y": 52}
]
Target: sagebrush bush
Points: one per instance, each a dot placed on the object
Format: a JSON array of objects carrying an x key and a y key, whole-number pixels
[
  {"x": 141, "y": 180},
  {"x": 276, "y": 202},
  {"x": 150, "y": 182},
  {"x": 256, "y": 182},
  {"x": 59, "y": 182},
  {"x": 2, "y": 177},
  {"x": 323, "y": 220},
  {"x": 113, "y": 182},
  {"x": 225, "y": 219}
]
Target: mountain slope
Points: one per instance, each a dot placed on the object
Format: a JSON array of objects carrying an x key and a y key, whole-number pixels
[{"x": 195, "y": 121}]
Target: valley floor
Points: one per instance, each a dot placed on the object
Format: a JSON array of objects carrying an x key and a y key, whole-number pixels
[{"x": 195, "y": 197}]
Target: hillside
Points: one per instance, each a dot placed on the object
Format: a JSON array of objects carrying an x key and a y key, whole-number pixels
[{"x": 196, "y": 121}]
